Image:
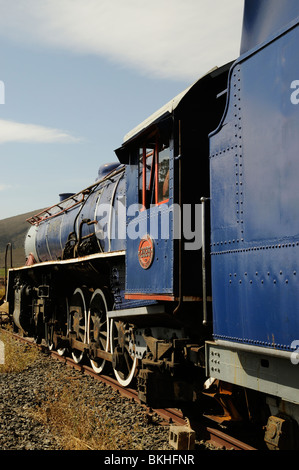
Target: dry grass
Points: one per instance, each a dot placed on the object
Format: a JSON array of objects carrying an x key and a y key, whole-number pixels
[
  {"x": 77, "y": 422},
  {"x": 17, "y": 356},
  {"x": 2, "y": 291}
]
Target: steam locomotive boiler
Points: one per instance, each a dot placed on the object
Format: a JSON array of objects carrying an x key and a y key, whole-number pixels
[{"x": 178, "y": 266}]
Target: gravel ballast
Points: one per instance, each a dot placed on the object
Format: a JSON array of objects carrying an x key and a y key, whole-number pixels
[{"x": 23, "y": 394}]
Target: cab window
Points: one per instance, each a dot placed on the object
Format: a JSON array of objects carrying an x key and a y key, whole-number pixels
[
  {"x": 163, "y": 175},
  {"x": 153, "y": 173}
]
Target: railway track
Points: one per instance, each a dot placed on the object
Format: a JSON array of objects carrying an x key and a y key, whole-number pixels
[{"x": 173, "y": 417}]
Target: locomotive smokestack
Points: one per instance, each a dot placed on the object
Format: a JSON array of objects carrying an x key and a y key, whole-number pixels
[{"x": 263, "y": 18}]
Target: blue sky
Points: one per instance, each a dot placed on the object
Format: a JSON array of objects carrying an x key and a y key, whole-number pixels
[{"x": 79, "y": 74}]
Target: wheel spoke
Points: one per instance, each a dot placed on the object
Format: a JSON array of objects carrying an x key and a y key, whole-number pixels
[
  {"x": 122, "y": 337},
  {"x": 77, "y": 319},
  {"x": 58, "y": 325},
  {"x": 128, "y": 361},
  {"x": 98, "y": 327}
]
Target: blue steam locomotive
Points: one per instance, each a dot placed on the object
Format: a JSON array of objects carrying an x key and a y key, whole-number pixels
[{"x": 178, "y": 266}]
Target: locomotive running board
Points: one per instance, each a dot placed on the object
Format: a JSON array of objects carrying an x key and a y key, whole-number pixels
[
  {"x": 69, "y": 261},
  {"x": 136, "y": 312},
  {"x": 266, "y": 370}
]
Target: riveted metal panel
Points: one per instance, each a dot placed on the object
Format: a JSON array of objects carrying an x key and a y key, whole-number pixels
[
  {"x": 156, "y": 222},
  {"x": 254, "y": 200},
  {"x": 273, "y": 375}
]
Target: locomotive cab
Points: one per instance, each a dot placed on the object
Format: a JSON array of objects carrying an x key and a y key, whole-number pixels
[
  {"x": 167, "y": 264},
  {"x": 167, "y": 152}
]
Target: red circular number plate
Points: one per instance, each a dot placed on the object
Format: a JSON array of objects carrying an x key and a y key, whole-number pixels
[{"x": 146, "y": 252}]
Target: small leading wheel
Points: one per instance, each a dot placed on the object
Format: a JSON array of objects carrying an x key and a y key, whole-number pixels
[
  {"x": 123, "y": 349},
  {"x": 98, "y": 327},
  {"x": 57, "y": 324},
  {"x": 77, "y": 320},
  {"x": 60, "y": 351}
]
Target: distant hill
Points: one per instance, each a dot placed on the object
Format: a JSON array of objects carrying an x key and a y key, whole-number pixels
[{"x": 13, "y": 230}]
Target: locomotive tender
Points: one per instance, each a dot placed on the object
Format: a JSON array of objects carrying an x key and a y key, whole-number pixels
[{"x": 178, "y": 266}]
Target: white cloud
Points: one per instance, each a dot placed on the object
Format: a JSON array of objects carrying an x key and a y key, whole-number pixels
[
  {"x": 11, "y": 131},
  {"x": 3, "y": 187},
  {"x": 163, "y": 38}
]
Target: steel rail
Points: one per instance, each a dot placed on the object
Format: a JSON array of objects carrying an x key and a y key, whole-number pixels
[{"x": 175, "y": 416}]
